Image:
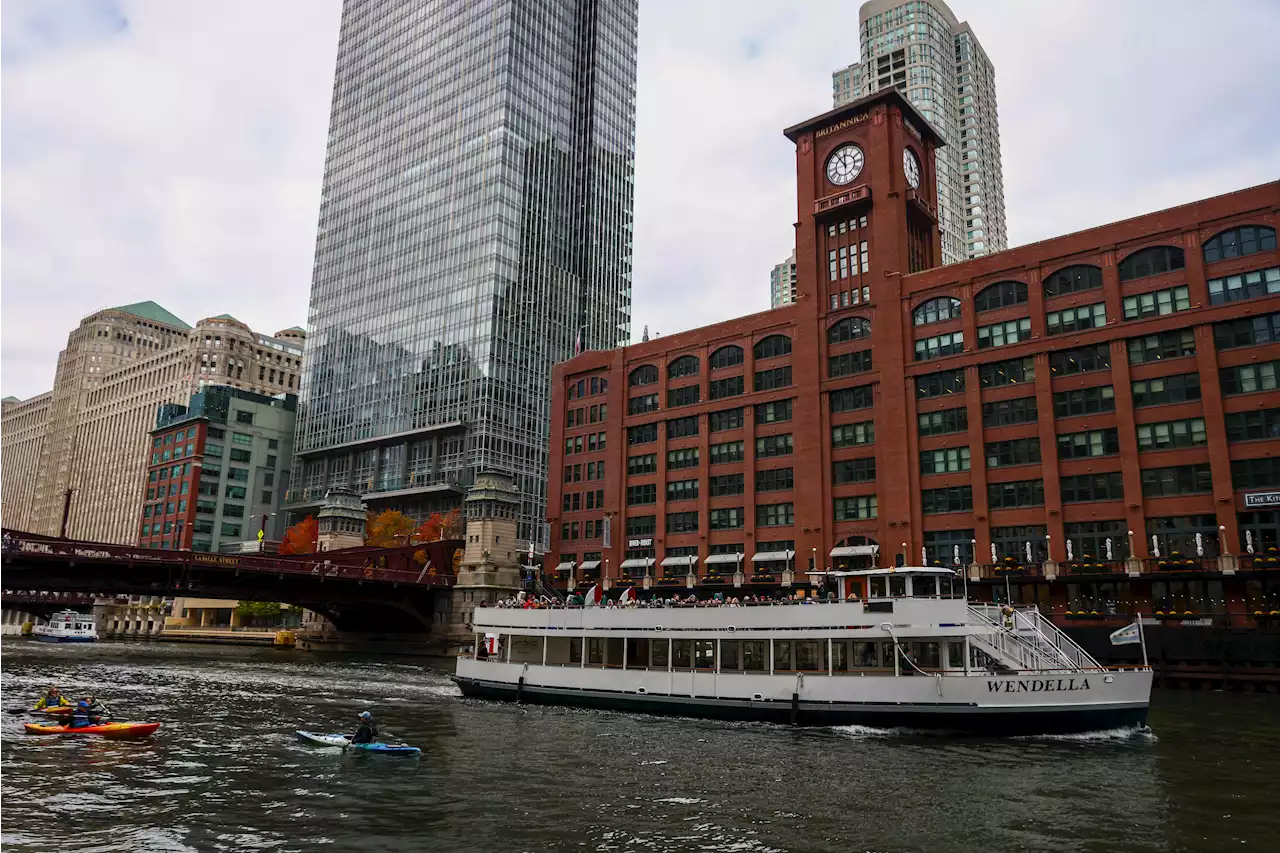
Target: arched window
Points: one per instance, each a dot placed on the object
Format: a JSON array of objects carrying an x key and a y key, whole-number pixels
[
  {"x": 937, "y": 310},
  {"x": 849, "y": 329},
  {"x": 726, "y": 356},
  {"x": 685, "y": 365},
  {"x": 1072, "y": 280},
  {"x": 773, "y": 346},
  {"x": 646, "y": 374},
  {"x": 1002, "y": 294},
  {"x": 1152, "y": 261},
  {"x": 1245, "y": 240}
]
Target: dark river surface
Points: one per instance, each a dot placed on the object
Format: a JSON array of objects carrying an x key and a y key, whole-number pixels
[{"x": 225, "y": 771}]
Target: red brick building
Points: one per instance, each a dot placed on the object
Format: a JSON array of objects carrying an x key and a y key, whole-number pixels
[{"x": 1112, "y": 391}]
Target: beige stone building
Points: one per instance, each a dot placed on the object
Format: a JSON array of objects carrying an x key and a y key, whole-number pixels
[{"x": 90, "y": 434}]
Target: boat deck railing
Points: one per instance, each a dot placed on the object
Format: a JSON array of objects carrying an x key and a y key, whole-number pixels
[{"x": 1026, "y": 639}]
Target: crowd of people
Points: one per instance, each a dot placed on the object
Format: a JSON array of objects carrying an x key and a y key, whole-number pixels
[{"x": 527, "y": 601}]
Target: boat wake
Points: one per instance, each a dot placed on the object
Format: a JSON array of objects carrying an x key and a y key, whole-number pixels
[{"x": 1126, "y": 733}]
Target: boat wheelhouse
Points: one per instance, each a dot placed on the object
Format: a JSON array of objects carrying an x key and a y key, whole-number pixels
[
  {"x": 67, "y": 626},
  {"x": 896, "y": 649}
]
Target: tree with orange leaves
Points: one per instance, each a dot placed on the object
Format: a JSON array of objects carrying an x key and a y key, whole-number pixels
[
  {"x": 301, "y": 537},
  {"x": 440, "y": 526},
  {"x": 388, "y": 529}
]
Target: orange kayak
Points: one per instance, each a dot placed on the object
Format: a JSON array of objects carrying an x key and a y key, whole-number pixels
[
  {"x": 114, "y": 731},
  {"x": 56, "y": 711}
]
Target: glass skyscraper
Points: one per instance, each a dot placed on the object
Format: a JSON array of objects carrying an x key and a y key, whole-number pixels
[{"x": 475, "y": 228}]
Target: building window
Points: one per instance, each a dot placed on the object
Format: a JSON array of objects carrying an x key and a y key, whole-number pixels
[
  {"x": 953, "y": 499},
  {"x": 238, "y": 455},
  {"x": 1080, "y": 360},
  {"x": 726, "y": 485},
  {"x": 1000, "y": 373},
  {"x": 638, "y": 495},
  {"x": 775, "y": 480},
  {"x": 1152, "y": 261},
  {"x": 244, "y": 417},
  {"x": 1238, "y": 242},
  {"x": 1262, "y": 529},
  {"x": 949, "y": 547},
  {"x": 646, "y": 374},
  {"x": 1072, "y": 280},
  {"x": 1247, "y": 331},
  {"x": 1001, "y": 334},
  {"x": 773, "y": 445},
  {"x": 1084, "y": 401},
  {"x": 778, "y": 377},
  {"x": 940, "y": 384},
  {"x": 682, "y": 427},
  {"x": 241, "y": 439},
  {"x": 1250, "y": 426},
  {"x": 1015, "y": 494},
  {"x": 682, "y": 522},
  {"x": 235, "y": 492},
  {"x": 1076, "y": 319},
  {"x": 641, "y": 405},
  {"x": 646, "y": 464},
  {"x": 939, "y": 346},
  {"x": 778, "y": 411},
  {"x": 1163, "y": 390},
  {"x": 772, "y": 347},
  {"x": 682, "y": 490},
  {"x": 1164, "y": 345},
  {"x": 1157, "y": 303},
  {"x": 1093, "y": 487},
  {"x": 678, "y": 459},
  {"x": 730, "y": 451},
  {"x": 1250, "y": 285},
  {"x": 643, "y": 434},
  {"x": 853, "y": 435},
  {"x": 1086, "y": 445},
  {"x": 726, "y": 519},
  {"x": 642, "y": 525},
  {"x": 848, "y": 364},
  {"x": 1255, "y": 473},
  {"x": 946, "y": 461},
  {"x": 1018, "y": 451},
  {"x": 219, "y": 433},
  {"x": 231, "y": 530},
  {"x": 731, "y": 387},
  {"x": 1170, "y": 434},
  {"x": 849, "y": 329},
  {"x": 726, "y": 356},
  {"x": 233, "y": 511},
  {"x": 856, "y": 508},
  {"x": 1089, "y": 539},
  {"x": 1177, "y": 535},
  {"x": 1249, "y": 378},
  {"x": 725, "y": 419},
  {"x": 1177, "y": 480},
  {"x": 854, "y": 471},
  {"x": 943, "y": 422},
  {"x": 775, "y": 515},
  {"x": 1002, "y": 294},
  {"x": 686, "y": 396},
  {"x": 685, "y": 365},
  {"x": 938, "y": 310}
]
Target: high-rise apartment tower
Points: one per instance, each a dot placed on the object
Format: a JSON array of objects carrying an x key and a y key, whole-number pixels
[
  {"x": 919, "y": 48},
  {"x": 782, "y": 283},
  {"x": 475, "y": 228}
]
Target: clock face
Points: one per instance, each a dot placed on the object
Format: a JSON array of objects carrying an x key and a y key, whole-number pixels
[
  {"x": 911, "y": 168},
  {"x": 844, "y": 165}
]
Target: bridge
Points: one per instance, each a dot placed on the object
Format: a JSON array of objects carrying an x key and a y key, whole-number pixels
[{"x": 382, "y": 590}]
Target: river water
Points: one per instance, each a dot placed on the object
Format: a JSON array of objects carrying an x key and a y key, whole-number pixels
[{"x": 225, "y": 771}]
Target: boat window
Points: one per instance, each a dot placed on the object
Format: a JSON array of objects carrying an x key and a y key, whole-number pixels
[
  {"x": 811, "y": 655},
  {"x": 661, "y": 653},
  {"x": 925, "y": 586},
  {"x": 840, "y": 656},
  {"x": 755, "y": 655},
  {"x": 865, "y": 655},
  {"x": 575, "y": 650},
  {"x": 879, "y": 587},
  {"x": 637, "y": 652},
  {"x": 595, "y": 650},
  {"x": 782, "y": 655},
  {"x": 877, "y": 607},
  {"x": 729, "y": 654},
  {"x": 704, "y": 654},
  {"x": 925, "y": 654},
  {"x": 613, "y": 651},
  {"x": 681, "y": 653},
  {"x": 955, "y": 654},
  {"x": 897, "y": 586}
]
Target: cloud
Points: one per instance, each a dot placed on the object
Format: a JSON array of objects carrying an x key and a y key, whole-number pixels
[{"x": 174, "y": 151}]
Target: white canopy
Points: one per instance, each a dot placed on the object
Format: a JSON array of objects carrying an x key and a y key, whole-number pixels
[
  {"x": 643, "y": 562},
  {"x": 725, "y": 558},
  {"x": 772, "y": 556},
  {"x": 679, "y": 561},
  {"x": 589, "y": 564},
  {"x": 564, "y": 567},
  {"x": 855, "y": 551}
]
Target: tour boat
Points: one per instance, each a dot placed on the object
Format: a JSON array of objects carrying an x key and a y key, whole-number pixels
[
  {"x": 898, "y": 649},
  {"x": 66, "y": 626}
]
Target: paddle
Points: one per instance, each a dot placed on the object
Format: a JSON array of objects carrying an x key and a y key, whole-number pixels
[{"x": 14, "y": 711}]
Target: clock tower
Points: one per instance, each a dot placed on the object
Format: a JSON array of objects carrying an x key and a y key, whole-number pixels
[{"x": 867, "y": 215}]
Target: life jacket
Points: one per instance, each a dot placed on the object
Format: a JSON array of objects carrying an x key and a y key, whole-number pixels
[{"x": 47, "y": 701}]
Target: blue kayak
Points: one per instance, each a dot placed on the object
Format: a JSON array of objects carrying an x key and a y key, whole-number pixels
[{"x": 344, "y": 741}]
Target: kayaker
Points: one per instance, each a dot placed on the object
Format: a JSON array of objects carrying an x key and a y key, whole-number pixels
[
  {"x": 82, "y": 716},
  {"x": 97, "y": 708},
  {"x": 367, "y": 731},
  {"x": 52, "y": 698}
]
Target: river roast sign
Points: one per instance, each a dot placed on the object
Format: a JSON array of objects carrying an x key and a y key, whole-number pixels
[{"x": 1258, "y": 499}]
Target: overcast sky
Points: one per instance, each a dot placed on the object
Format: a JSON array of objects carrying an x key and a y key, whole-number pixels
[{"x": 173, "y": 149}]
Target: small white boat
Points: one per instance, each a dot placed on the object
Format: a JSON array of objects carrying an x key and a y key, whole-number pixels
[
  {"x": 67, "y": 626},
  {"x": 901, "y": 649}
]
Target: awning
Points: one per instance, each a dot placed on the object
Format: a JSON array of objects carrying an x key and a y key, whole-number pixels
[
  {"x": 772, "y": 556},
  {"x": 565, "y": 567},
  {"x": 589, "y": 564},
  {"x": 679, "y": 561},
  {"x": 641, "y": 563},
  {"x": 855, "y": 551},
  {"x": 725, "y": 558}
]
